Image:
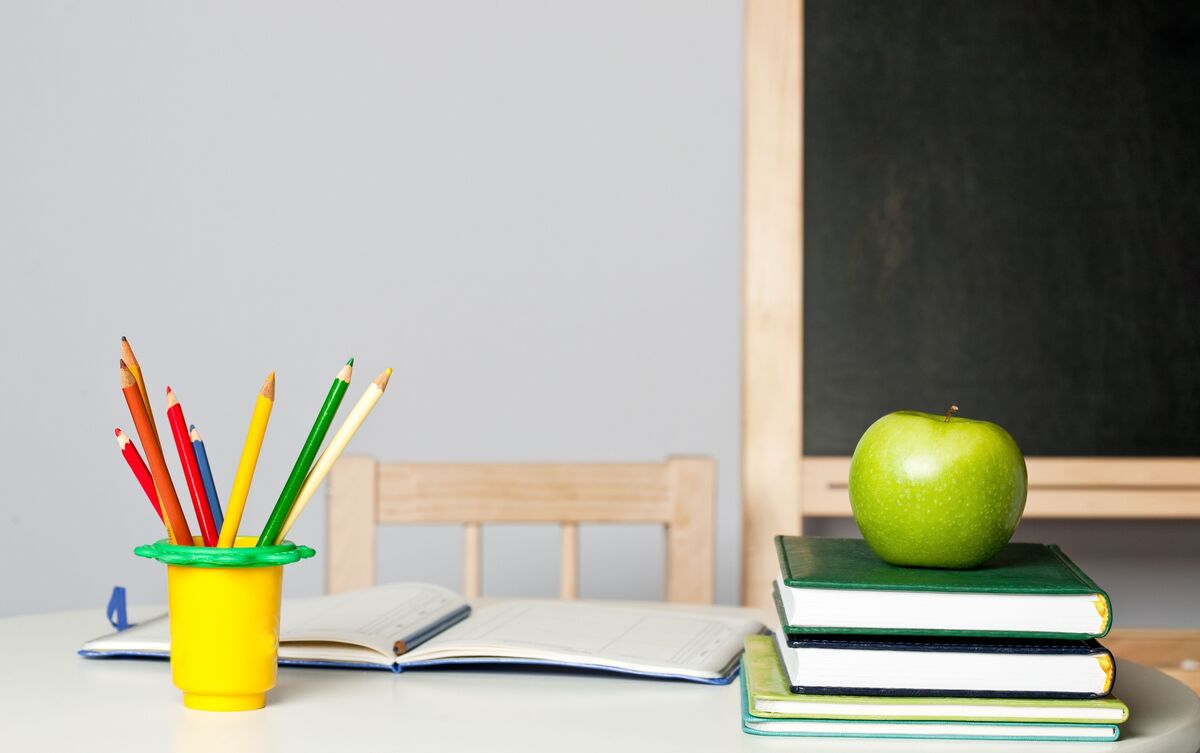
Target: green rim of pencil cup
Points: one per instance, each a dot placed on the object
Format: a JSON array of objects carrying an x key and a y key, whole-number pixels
[{"x": 212, "y": 556}]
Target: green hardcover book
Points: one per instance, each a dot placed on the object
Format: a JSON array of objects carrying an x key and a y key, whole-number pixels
[
  {"x": 1027, "y": 591},
  {"x": 770, "y": 697}
]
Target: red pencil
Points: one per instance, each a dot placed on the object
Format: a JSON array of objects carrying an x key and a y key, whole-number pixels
[
  {"x": 139, "y": 469},
  {"x": 191, "y": 470}
]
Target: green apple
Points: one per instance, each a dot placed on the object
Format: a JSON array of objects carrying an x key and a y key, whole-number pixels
[{"x": 937, "y": 491}]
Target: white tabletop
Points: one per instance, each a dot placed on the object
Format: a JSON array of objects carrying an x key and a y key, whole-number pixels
[{"x": 52, "y": 699}]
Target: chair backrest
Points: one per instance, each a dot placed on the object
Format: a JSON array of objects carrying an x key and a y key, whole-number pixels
[{"x": 679, "y": 494}]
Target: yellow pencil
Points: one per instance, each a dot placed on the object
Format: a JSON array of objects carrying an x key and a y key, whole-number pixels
[
  {"x": 340, "y": 439},
  {"x": 245, "y": 471}
]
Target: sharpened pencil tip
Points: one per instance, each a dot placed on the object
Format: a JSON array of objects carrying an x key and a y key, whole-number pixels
[
  {"x": 127, "y": 353},
  {"x": 117, "y": 431},
  {"x": 350, "y": 362},
  {"x": 124, "y": 339},
  {"x": 382, "y": 380},
  {"x": 127, "y": 379},
  {"x": 268, "y": 388}
]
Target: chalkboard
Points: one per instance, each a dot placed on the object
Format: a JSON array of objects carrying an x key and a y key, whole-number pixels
[{"x": 1002, "y": 210}]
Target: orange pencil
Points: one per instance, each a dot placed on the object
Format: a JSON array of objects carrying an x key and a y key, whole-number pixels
[
  {"x": 191, "y": 470},
  {"x": 177, "y": 527},
  {"x": 140, "y": 471},
  {"x": 135, "y": 368}
]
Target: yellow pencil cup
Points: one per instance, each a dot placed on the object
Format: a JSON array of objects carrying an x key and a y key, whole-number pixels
[{"x": 224, "y": 613}]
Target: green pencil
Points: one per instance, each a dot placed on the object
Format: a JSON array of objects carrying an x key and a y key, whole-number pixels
[{"x": 311, "y": 446}]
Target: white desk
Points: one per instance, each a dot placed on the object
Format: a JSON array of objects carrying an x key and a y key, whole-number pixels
[{"x": 51, "y": 699}]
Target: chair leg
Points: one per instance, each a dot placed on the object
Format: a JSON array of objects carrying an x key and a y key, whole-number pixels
[
  {"x": 472, "y": 560},
  {"x": 350, "y": 561},
  {"x": 568, "y": 582}
]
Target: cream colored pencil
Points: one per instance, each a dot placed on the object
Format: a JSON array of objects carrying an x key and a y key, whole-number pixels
[{"x": 336, "y": 445}]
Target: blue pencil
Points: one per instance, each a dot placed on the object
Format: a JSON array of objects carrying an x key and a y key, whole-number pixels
[{"x": 210, "y": 488}]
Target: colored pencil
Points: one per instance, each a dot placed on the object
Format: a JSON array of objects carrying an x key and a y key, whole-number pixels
[
  {"x": 336, "y": 445},
  {"x": 191, "y": 470},
  {"x": 135, "y": 368},
  {"x": 308, "y": 453},
  {"x": 177, "y": 527},
  {"x": 140, "y": 471},
  {"x": 210, "y": 487},
  {"x": 245, "y": 471}
]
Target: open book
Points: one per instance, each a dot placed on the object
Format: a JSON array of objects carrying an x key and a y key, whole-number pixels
[{"x": 409, "y": 625}]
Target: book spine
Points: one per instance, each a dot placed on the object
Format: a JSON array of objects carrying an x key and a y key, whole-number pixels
[
  {"x": 1105, "y": 609},
  {"x": 785, "y": 568}
]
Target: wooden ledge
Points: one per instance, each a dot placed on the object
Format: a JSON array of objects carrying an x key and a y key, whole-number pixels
[
  {"x": 1058, "y": 487},
  {"x": 1175, "y": 652}
]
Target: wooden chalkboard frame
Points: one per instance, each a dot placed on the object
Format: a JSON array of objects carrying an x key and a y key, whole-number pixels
[{"x": 779, "y": 484}]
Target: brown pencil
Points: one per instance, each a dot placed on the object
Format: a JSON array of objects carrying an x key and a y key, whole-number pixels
[{"x": 177, "y": 527}]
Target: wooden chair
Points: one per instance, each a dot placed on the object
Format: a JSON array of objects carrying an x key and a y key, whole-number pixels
[{"x": 678, "y": 493}]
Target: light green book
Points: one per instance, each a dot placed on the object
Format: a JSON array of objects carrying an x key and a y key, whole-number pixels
[
  {"x": 924, "y": 730},
  {"x": 770, "y": 697}
]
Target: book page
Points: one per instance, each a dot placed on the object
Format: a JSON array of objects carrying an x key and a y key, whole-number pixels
[
  {"x": 152, "y": 636},
  {"x": 379, "y": 619},
  {"x": 387, "y": 619},
  {"x": 642, "y": 639}
]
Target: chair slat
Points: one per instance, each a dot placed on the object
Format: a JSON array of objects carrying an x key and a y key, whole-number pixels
[{"x": 523, "y": 493}]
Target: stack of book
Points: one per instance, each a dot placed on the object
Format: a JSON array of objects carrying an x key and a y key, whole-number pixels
[{"x": 1006, "y": 651}]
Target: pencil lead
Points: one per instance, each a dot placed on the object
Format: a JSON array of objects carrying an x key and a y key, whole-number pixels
[
  {"x": 268, "y": 388},
  {"x": 350, "y": 362},
  {"x": 117, "y": 431},
  {"x": 124, "y": 339}
]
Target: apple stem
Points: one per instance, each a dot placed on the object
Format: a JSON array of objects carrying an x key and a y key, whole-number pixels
[{"x": 951, "y": 412}]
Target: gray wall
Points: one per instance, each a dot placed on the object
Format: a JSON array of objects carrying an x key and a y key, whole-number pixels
[{"x": 530, "y": 210}]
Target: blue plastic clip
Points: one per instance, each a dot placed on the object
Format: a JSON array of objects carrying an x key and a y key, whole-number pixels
[{"x": 116, "y": 611}]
